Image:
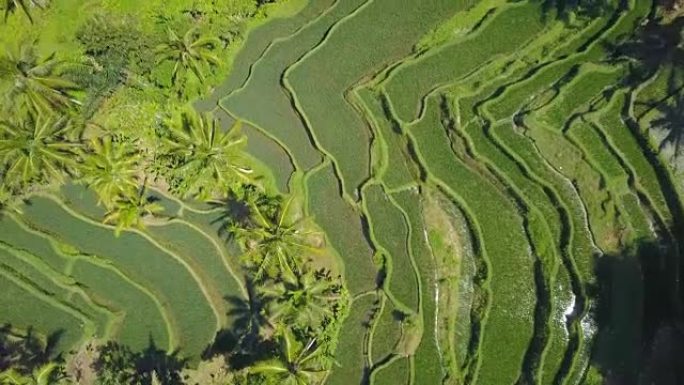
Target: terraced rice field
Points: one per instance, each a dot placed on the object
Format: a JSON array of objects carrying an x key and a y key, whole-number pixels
[
  {"x": 166, "y": 285},
  {"x": 513, "y": 120},
  {"x": 486, "y": 175}
]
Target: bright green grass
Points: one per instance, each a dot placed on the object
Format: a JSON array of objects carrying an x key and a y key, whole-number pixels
[
  {"x": 202, "y": 255},
  {"x": 271, "y": 154},
  {"x": 518, "y": 94},
  {"x": 640, "y": 224},
  {"x": 142, "y": 319},
  {"x": 396, "y": 373},
  {"x": 543, "y": 226},
  {"x": 28, "y": 267},
  {"x": 587, "y": 136},
  {"x": 504, "y": 33},
  {"x": 265, "y": 87},
  {"x": 580, "y": 252},
  {"x": 457, "y": 312},
  {"x": 344, "y": 229},
  {"x": 139, "y": 260},
  {"x": 390, "y": 233},
  {"x": 13, "y": 234},
  {"x": 395, "y": 167},
  {"x": 256, "y": 43},
  {"x": 668, "y": 79},
  {"x": 557, "y": 346},
  {"x": 626, "y": 144},
  {"x": 53, "y": 28},
  {"x": 386, "y": 332},
  {"x": 509, "y": 321},
  {"x": 351, "y": 348},
  {"x": 582, "y": 90},
  {"x": 524, "y": 150},
  {"x": 24, "y": 309},
  {"x": 596, "y": 199},
  {"x": 427, "y": 360},
  {"x": 349, "y": 53},
  {"x": 83, "y": 199}
]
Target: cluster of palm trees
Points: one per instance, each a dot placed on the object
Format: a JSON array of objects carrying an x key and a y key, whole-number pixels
[
  {"x": 42, "y": 137},
  {"x": 45, "y": 141},
  {"x": 290, "y": 302}
]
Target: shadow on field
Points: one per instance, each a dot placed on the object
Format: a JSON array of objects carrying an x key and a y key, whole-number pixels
[
  {"x": 26, "y": 352},
  {"x": 246, "y": 342},
  {"x": 563, "y": 8},
  {"x": 640, "y": 331},
  {"x": 118, "y": 364},
  {"x": 652, "y": 47}
]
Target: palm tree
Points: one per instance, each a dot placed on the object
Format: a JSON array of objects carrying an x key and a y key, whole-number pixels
[
  {"x": 201, "y": 160},
  {"x": 274, "y": 242},
  {"x": 111, "y": 169},
  {"x": 47, "y": 374},
  {"x": 305, "y": 300},
  {"x": 131, "y": 212},
  {"x": 36, "y": 150},
  {"x": 296, "y": 364},
  {"x": 190, "y": 53},
  {"x": 12, "y": 5},
  {"x": 36, "y": 83}
]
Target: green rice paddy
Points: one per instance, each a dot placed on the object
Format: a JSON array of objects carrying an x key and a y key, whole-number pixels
[{"x": 514, "y": 118}]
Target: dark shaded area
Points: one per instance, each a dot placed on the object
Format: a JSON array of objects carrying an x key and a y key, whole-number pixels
[
  {"x": 672, "y": 121},
  {"x": 26, "y": 352},
  {"x": 247, "y": 341},
  {"x": 237, "y": 209},
  {"x": 118, "y": 364},
  {"x": 563, "y": 8},
  {"x": 640, "y": 337},
  {"x": 652, "y": 47}
]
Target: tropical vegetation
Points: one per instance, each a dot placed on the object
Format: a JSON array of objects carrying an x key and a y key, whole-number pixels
[{"x": 341, "y": 191}]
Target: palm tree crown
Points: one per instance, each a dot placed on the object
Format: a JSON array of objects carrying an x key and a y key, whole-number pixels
[
  {"x": 35, "y": 83},
  {"x": 190, "y": 53},
  {"x": 111, "y": 169},
  {"x": 274, "y": 241},
  {"x": 199, "y": 159},
  {"x": 36, "y": 150},
  {"x": 131, "y": 212},
  {"x": 305, "y": 299},
  {"x": 296, "y": 364}
]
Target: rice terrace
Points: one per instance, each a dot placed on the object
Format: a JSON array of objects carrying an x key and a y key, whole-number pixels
[{"x": 342, "y": 192}]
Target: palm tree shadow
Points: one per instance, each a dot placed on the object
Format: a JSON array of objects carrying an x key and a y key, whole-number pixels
[
  {"x": 141, "y": 367},
  {"x": 653, "y": 46},
  {"x": 672, "y": 123},
  {"x": 245, "y": 342},
  {"x": 166, "y": 366},
  {"x": 26, "y": 352},
  {"x": 563, "y": 8},
  {"x": 638, "y": 325}
]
